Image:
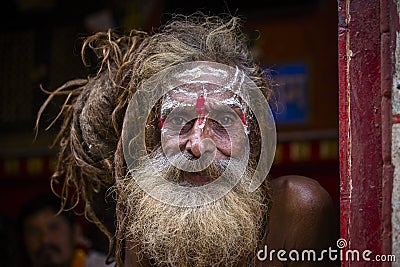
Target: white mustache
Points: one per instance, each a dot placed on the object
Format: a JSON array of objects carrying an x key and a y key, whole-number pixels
[{"x": 167, "y": 184}]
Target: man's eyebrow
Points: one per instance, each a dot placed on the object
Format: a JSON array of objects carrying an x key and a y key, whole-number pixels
[{"x": 234, "y": 107}]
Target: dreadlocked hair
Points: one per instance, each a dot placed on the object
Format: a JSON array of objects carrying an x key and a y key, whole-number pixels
[{"x": 90, "y": 159}]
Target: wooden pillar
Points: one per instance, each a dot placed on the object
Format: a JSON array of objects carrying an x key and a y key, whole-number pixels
[{"x": 365, "y": 72}]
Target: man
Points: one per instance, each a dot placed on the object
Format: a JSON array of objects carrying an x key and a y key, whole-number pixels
[
  {"x": 177, "y": 124},
  {"x": 53, "y": 240}
]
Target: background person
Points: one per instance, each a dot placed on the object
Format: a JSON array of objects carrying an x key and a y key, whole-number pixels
[{"x": 54, "y": 240}]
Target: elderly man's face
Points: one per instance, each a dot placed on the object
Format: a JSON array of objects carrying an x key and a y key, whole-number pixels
[{"x": 200, "y": 120}]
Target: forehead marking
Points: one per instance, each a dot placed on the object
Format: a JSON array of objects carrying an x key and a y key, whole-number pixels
[
  {"x": 201, "y": 110},
  {"x": 200, "y": 105}
]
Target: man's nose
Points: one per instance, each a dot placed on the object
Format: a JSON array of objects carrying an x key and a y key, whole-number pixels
[
  {"x": 46, "y": 237},
  {"x": 199, "y": 141}
]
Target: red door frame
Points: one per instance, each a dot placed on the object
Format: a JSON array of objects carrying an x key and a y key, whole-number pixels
[{"x": 366, "y": 37}]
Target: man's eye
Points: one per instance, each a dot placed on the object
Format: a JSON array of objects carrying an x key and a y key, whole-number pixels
[
  {"x": 178, "y": 121},
  {"x": 225, "y": 120}
]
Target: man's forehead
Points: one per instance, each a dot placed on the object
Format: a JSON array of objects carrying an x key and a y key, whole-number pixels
[
  {"x": 190, "y": 92},
  {"x": 45, "y": 215}
]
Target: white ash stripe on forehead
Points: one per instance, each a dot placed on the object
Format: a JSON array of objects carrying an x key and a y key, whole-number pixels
[
  {"x": 204, "y": 73},
  {"x": 233, "y": 85},
  {"x": 169, "y": 103},
  {"x": 185, "y": 91},
  {"x": 227, "y": 79},
  {"x": 194, "y": 74},
  {"x": 234, "y": 101}
]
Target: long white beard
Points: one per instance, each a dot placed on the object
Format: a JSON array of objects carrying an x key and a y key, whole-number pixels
[{"x": 222, "y": 233}]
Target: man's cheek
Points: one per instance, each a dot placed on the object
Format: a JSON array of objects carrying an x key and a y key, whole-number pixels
[
  {"x": 232, "y": 145},
  {"x": 171, "y": 143}
]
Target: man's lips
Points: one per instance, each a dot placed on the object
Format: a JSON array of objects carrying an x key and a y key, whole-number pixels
[{"x": 197, "y": 178}]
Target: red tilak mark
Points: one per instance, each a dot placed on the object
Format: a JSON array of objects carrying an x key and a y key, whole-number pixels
[
  {"x": 244, "y": 119},
  {"x": 201, "y": 109},
  {"x": 162, "y": 122},
  {"x": 201, "y": 120},
  {"x": 200, "y": 105}
]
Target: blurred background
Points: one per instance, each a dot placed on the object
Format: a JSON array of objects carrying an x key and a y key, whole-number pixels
[{"x": 296, "y": 40}]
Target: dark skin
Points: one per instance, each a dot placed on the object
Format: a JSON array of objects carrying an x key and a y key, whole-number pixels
[{"x": 301, "y": 216}]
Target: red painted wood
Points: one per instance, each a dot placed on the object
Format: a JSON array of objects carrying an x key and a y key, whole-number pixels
[
  {"x": 344, "y": 120},
  {"x": 360, "y": 126}
]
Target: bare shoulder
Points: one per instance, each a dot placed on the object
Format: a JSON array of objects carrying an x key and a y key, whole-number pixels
[
  {"x": 300, "y": 194},
  {"x": 301, "y": 215}
]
